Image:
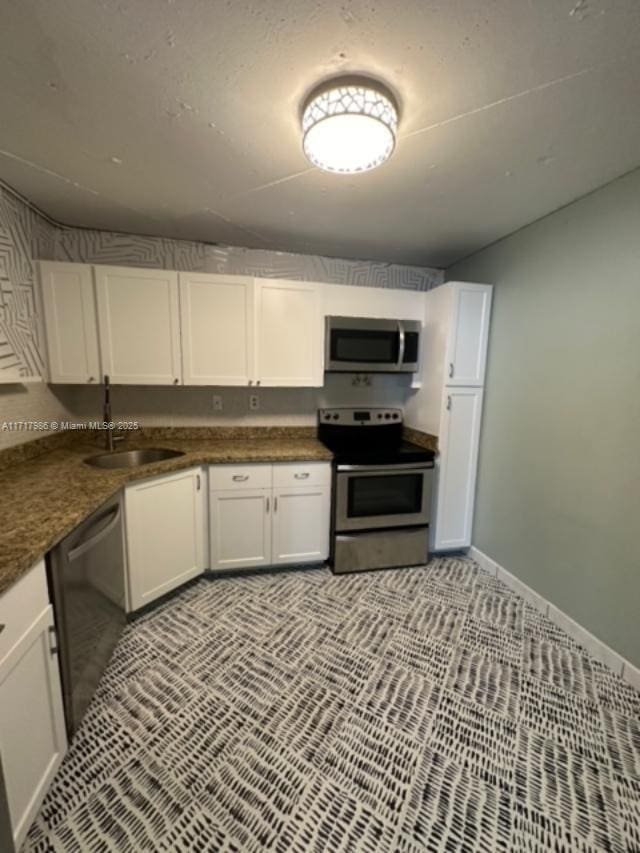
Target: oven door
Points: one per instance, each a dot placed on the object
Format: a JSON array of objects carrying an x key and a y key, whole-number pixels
[
  {"x": 371, "y": 346},
  {"x": 370, "y": 497}
]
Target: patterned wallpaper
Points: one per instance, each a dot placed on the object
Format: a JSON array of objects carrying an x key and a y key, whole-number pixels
[
  {"x": 105, "y": 247},
  {"x": 23, "y": 235}
]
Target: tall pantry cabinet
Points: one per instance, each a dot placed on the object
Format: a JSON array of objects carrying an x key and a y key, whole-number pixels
[{"x": 449, "y": 402}]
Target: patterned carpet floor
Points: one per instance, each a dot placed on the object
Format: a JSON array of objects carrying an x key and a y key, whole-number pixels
[{"x": 408, "y": 710}]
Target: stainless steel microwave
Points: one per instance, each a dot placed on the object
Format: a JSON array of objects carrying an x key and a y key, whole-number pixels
[{"x": 365, "y": 345}]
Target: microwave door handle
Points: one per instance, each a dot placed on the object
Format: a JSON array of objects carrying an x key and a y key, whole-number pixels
[{"x": 400, "y": 343}]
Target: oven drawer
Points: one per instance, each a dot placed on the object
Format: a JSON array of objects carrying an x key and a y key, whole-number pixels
[
  {"x": 223, "y": 477},
  {"x": 380, "y": 549},
  {"x": 289, "y": 474}
]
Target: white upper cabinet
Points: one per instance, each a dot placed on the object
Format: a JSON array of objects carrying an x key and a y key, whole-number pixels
[
  {"x": 289, "y": 333},
  {"x": 158, "y": 327},
  {"x": 71, "y": 329},
  {"x": 457, "y": 466},
  {"x": 216, "y": 321},
  {"x": 139, "y": 325},
  {"x": 469, "y": 330}
]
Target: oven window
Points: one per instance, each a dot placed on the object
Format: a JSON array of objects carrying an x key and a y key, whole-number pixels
[
  {"x": 374, "y": 346},
  {"x": 386, "y": 494}
]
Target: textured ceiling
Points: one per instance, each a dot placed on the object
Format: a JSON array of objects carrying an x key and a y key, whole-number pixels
[{"x": 180, "y": 117}]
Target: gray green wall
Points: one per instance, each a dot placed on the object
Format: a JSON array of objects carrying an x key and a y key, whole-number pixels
[{"x": 558, "y": 495}]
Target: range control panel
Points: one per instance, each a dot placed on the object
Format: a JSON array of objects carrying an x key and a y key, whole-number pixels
[{"x": 359, "y": 417}]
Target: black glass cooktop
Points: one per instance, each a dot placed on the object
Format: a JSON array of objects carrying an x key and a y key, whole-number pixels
[{"x": 381, "y": 454}]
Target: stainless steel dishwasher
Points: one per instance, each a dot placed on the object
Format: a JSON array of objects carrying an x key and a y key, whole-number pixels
[{"x": 87, "y": 580}]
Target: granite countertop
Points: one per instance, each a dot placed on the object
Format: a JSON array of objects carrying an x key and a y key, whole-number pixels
[{"x": 45, "y": 497}]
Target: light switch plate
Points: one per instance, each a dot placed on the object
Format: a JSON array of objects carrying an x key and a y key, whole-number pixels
[{"x": 217, "y": 403}]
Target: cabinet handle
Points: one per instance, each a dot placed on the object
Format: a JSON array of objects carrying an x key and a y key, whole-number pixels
[
  {"x": 267, "y": 504},
  {"x": 92, "y": 379},
  {"x": 198, "y": 481},
  {"x": 449, "y": 403},
  {"x": 251, "y": 382},
  {"x": 175, "y": 381},
  {"x": 302, "y": 476},
  {"x": 240, "y": 478},
  {"x": 2, "y": 627},
  {"x": 258, "y": 382},
  {"x": 451, "y": 370},
  {"x": 275, "y": 504},
  {"x": 53, "y": 640}
]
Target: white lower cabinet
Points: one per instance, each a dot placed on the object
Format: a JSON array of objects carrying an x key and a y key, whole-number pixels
[
  {"x": 166, "y": 534},
  {"x": 456, "y": 473},
  {"x": 240, "y": 528},
  {"x": 32, "y": 730},
  {"x": 275, "y": 524},
  {"x": 301, "y": 525}
]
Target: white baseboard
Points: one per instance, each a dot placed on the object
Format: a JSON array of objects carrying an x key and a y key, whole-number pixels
[{"x": 599, "y": 650}]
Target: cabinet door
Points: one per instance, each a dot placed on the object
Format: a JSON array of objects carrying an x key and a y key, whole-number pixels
[
  {"x": 165, "y": 534},
  {"x": 467, "y": 345},
  {"x": 289, "y": 333},
  {"x": 240, "y": 528},
  {"x": 216, "y": 317},
  {"x": 301, "y": 524},
  {"x": 458, "y": 461},
  {"x": 70, "y": 322},
  {"x": 139, "y": 323},
  {"x": 32, "y": 730}
]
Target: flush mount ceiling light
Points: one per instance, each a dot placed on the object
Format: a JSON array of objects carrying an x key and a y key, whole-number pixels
[{"x": 349, "y": 125}]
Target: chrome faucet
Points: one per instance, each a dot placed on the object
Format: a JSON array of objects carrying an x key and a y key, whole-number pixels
[{"x": 111, "y": 439}]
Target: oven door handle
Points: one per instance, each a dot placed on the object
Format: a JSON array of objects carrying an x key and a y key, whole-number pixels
[{"x": 389, "y": 469}]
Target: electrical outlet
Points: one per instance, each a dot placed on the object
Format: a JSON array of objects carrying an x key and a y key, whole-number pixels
[
  {"x": 254, "y": 402},
  {"x": 217, "y": 403}
]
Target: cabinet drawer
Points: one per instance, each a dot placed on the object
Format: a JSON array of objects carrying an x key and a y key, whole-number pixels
[
  {"x": 302, "y": 474},
  {"x": 223, "y": 477},
  {"x": 21, "y": 605}
]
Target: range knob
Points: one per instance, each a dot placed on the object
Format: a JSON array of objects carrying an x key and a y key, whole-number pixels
[
  {"x": 387, "y": 416},
  {"x": 327, "y": 416},
  {"x": 395, "y": 416},
  {"x": 379, "y": 415},
  {"x": 336, "y": 416}
]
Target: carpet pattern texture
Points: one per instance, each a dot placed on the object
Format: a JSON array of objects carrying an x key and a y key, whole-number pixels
[{"x": 409, "y": 710}]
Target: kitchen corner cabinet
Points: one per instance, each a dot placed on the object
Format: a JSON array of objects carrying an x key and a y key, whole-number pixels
[
  {"x": 456, "y": 467},
  {"x": 263, "y": 515},
  {"x": 139, "y": 325},
  {"x": 166, "y": 534},
  {"x": 289, "y": 334},
  {"x": 70, "y": 321},
  {"x": 32, "y": 730},
  {"x": 216, "y": 321}
]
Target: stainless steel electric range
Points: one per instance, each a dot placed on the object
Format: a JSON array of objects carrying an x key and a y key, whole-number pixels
[{"x": 382, "y": 490}]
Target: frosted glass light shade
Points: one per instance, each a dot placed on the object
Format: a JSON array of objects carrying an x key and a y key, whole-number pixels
[{"x": 349, "y": 127}]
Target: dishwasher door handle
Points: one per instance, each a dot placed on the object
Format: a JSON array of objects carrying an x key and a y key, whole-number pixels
[{"x": 79, "y": 550}]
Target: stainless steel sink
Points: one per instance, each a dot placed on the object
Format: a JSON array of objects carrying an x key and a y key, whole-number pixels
[{"x": 132, "y": 458}]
